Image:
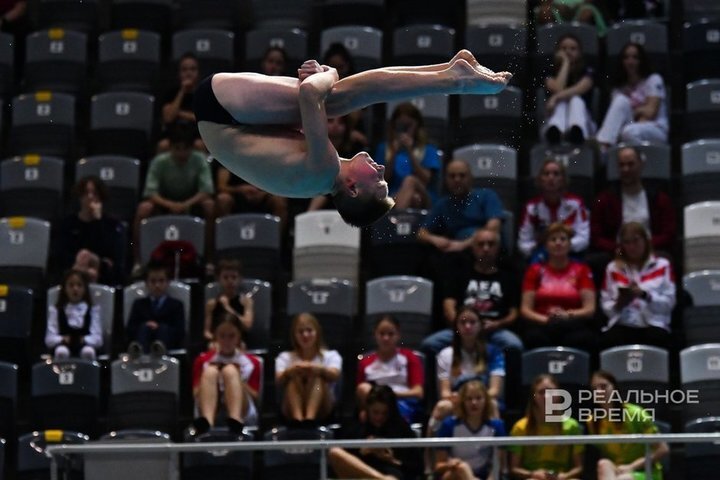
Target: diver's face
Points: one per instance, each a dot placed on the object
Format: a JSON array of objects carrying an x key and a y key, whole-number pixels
[{"x": 368, "y": 176}]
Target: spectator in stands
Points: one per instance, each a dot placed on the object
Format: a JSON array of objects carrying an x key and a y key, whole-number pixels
[
  {"x": 561, "y": 11},
  {"x": 399, "y": 368},
  {"x": 622, "y": 460},
  {"x": 177, "y": 108},
  {"x": 569, "y": 89},
  {"x": 637, "y": 112},
  {"x": 339, "y": 58},
  {"x": 545, "y": 462},
  {"x": 226, "y": 370},
  {"x": 554, "y": 204},
  {"x": 410, "y": 162},
  {"x": 274, "y": 62},
  {"x": 92, "y": 232},
  {"x": 156, "y": 322},
  {"x": 381, "y": 419},
  {"x": 178, "y": 182},
  {"x": 88, "y": 263},
  {"x": 491, "y": 291},
  {"x": 231, "y": 300},
  {"x": 13, "y": 16},
  {"x": 307, "y": 374},
  {"x": 340, "y": 133},
  {"x": 638, "y": 293},
  {"x": 235, "y": 195},
  {"x": 631, "y": 201},
  {"x": 74, "y": 327},
  {"x": 469, "y": 357},
  {"x": 474, "y": 419},
  {"x": 558, "y": 297}
]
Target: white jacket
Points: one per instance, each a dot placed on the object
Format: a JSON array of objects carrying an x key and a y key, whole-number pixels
[
  {"x": 538, "y": 216},
  {"x": 655, "y": 278}
]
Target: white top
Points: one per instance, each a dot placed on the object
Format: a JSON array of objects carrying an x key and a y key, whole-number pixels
[
  {"x": 75, "y": 313},
  {"x": 467, "y": 365},
  {"x": 653, "y": 86},
  {"x": 635, "y": 209},
  {"x": 326, "y": 358}
]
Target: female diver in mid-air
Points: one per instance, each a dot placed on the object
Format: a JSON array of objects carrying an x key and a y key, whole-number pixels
[{"x": 272, "y": 131}]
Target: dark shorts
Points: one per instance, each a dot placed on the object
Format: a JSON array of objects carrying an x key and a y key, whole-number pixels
[{"x": 207, "y": 107}]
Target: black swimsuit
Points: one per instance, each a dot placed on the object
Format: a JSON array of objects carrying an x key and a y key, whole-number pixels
[{"x": 207, "y": 107}]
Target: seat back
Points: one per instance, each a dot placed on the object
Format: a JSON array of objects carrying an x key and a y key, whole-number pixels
[
  {"x": 579, "y": 165},
  {"x": 700, "y": 372},
  {"x": 703, "y": 459},
  {"x": 218, "y": 464},
  {"x": 701, "y": 44},
  {"x": 121, "y": 123},
  {"x": 24, "y": 248},
  {"x": 56, "y": 60},
  {"x": 177, "y": 290},
  {"x": 571, "y": 367},
  {"x": 7, "y": 65},
  {"x": 215, "y": 49},
  {"x": 34, "y": 463},
  {"x": 121, "y": 176},
  {"x": 495, "y": 167},
  {"x": 702, "y": 236},
  {"x": 212, "y": 14},
  {"x": 293, "y": 40},
  {"x": 102, "y": 295},
  {"x": 32, "y": 186},
  {"x": 8, "y": 399},
  {"x": 435, "y": 110},
  {"x": 128, "y": 60},
  {"x": 152, "y": 15},
  {"x": 364, "y": 44},
  {"x": 65, "y": 394},
  {"x": 652, "y": 35},
  {"x": 491, "y": 118},
  {"x": 422, "y": 44},
  {"x": 500, "y": 47},
  {"x": 703, "y": 287},
  {"x": 155, "y": 230},
  {"x": 700, "y": 171},
  {"x": 283, "y": 13},
  {"x": 69, "y": 14},
  {"x": 656, "y": 157},
  {"x": 299, "y": 463},
  {"x": 703, "y": 109},
  {"x": 16, "y": 316},
  {"x": 43, "y": 123},
  {"x": 155, "y": 465},
  {"x": 395, "y": 248},
  {"x": 252, "y": 238}
]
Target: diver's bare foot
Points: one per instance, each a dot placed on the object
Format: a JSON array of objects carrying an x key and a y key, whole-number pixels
[
  {"x": 467, "y": 55},
  {"x": 473, "y": 81}
]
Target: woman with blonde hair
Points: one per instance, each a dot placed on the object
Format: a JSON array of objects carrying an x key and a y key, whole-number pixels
[
  {"x": 638, "y": 293},
  {"x": 307, "y": 373}
]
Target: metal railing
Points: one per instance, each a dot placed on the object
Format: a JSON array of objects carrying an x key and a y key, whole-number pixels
[{"x": 53, "y": 451}]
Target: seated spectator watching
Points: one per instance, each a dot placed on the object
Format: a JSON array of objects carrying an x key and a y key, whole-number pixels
[
  {"x": 638, "y": 293},
  {"x": 73, "y": 323},
  {"x": 157, "y": 320},
  {"x": 558, "y": 297},
  {"x": 399, "y": 368},
  {"x": 545, "y": 462},
  {"x": 177, "y": 108},
  {"x": 231, "y": 300},
  {"x": 274, "y": 62},
  {"x": 307, "y": 374},
  {"x": 554, "y": 204}
]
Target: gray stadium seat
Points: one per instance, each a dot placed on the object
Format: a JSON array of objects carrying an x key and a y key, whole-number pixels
[
  {"x": 494, "y": 167},
  {"x": 334, "y": 304},
  {"x": 700, "y": 370},
  {"x": 702, "y": 236},
  {"x": 155, "y": 230},
  {"x": 571, "y": 368},
  {"x": 34, "y": 464},
  {"x": 491, "y": 118},
  {"x": 656, "y": 171},
  {"x": 16, "y": 316},
  {"x": 155, "y": 465},
  {"x": 7, "y": 65},
  {"x": 216, "y": 465},
  {"x": 24, "y": 249},
  {"x": 579, "y": 164},
  {"x": 422, "y": 44},
  {"x": 547, "y": 36},
  {"x": 701, "y": 319},
  {"x": 695, "y": 10},
  {"x": 152, "y": 15},
  {"x": 283, "y": 13},
  {"x": 395, "y": 248},
  {"x": 101, "y": 295},
  {"x": 299, "y": 464},
  {"x": 65, "y": 394},
  {"x": 128, "y": 60},
  {"x": 43, "y": 123},
  {"x": 212, "y": 14},
  {"x": 652, "y": 35},
  {"x": 252, "y": 238},
  {"x": 409, "y": 299},
  {"x": 293, "y": 40},
  {"x": 702, "y": 460},
  {"x": 177, "y": 290},
  {"x": 640, "y": 368},
  {"x": 56, "y": 60},
  {"x": 364, "y": 44},
  {"x": 215, "y": 49},
  {"x": 325, "y": 247},
  {"x": 78, "y": 15},
  {"x": 702, "y": 118},
  {"x": 121, "y": 123},
  {"x": 144, "y": 393},
  {"x": 32, "y": 186},
  {"x": 496, "y": 12},
  {"x": 435, "y": 110},
  {"x": 353, "y": 12},
  {"x": 261, "y": 292},
  {"x": 700, "y": 171},
  {"x": 701, "y": 46},
  {"x": 122, "y": 180},
  {"x": 500, "y": 47},
  {"x": 8, "y": 399}
]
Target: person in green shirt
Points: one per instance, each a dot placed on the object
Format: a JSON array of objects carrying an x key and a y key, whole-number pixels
[
  {"x": 622, "y": 461},
  {"x": 178, "y": 182},
  {"x": 545, "y": 462}
]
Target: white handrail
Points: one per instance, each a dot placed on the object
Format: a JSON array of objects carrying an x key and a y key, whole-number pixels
[{"x": 53, "y": 451}]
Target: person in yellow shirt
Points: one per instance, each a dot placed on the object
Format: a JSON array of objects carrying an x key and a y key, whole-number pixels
[{"x": 545, "y": 462}]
